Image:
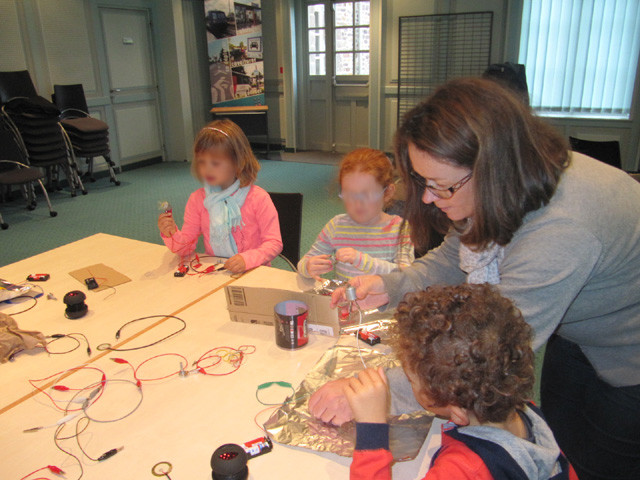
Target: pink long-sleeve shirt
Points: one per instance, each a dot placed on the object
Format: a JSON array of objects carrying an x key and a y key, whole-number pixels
[{"x": 259, "y": 240}]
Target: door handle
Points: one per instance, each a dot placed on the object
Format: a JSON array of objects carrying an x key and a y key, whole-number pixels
[{"x": 115, "y": 90}]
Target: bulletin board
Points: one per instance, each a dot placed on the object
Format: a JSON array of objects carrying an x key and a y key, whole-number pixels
[{"x": 234, "y": 46}]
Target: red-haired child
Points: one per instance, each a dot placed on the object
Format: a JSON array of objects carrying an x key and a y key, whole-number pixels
[{"x": 365, "y": 240}]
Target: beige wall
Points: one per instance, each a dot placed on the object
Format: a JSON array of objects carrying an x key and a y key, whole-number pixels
[{"x": 57, "y": 42}]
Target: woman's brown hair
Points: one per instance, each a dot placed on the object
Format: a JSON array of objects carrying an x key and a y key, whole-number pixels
[
  {"x": 469, "y": 347},
  {"x": 227, "y": 137},
  {"x": 515, "y": 157}
]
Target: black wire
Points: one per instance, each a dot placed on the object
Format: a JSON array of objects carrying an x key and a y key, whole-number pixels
[
  {"x": 107, "y": 346},
  {"x": 55, "y": 440},
  {"x": 35, "y": 302},
  {"x": 58, "y": 336}
]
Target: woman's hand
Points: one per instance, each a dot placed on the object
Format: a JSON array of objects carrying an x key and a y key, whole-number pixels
[
  {"x": 347, "y": 255},
  {"x": 368, "y": 396},
  {"x": 330, "y": 404},
  {"x": 319, "y": 265},
  {"x": 166, "y": 225},
  {"x": 369, "y": 290},
  {"x": 235, "y": 264}
]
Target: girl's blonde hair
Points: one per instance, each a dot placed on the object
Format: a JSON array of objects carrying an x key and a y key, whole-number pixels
[
  {"x": 368, "y": 160},
  {"x": 227, "y": 137}
]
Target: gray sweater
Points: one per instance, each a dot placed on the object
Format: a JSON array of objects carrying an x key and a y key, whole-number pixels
[{"x": 572, "y": 268}]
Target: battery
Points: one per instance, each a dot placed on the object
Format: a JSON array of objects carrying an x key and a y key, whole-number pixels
[
  {"x": 368, "y": 337},
  {"x": 258, "y": 447}
]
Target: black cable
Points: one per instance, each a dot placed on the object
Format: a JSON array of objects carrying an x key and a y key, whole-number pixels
[
  {"x": 55, "y": 440},
  {"x": 35, "y": 302},
  {"x": 107, "y": 346},
  {"x": 58, "y": 336}
]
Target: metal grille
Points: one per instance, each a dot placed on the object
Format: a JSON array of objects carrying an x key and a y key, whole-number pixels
[{"x": 436, "y": 48}]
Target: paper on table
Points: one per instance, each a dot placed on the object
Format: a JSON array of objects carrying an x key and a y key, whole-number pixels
[{"x": 105, "y": 276}]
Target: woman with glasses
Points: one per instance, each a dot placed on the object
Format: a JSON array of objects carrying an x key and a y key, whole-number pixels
[{"x": 557, "y": 232}]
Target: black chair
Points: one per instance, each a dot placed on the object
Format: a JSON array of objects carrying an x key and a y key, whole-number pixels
[
  {"x": 607, "y": 152},
  {"x": 89, "y": 136},
  {"x": 289, "y": 207},
  {"x": 13, "y": 171},
  {"x": 34, "y": 122}
]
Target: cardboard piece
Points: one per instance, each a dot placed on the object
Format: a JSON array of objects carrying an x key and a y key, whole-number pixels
[
  {"x": 105, "y": 276},
  {"x": 251, "y": 299}
]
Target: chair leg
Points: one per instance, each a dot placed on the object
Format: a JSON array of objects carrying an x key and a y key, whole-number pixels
[
  {"x": 46, "y": 197},
  {"x": 90, "y": 169},
  {"x": 112, "y": 173},
  {"x": 2, "y": 224}
]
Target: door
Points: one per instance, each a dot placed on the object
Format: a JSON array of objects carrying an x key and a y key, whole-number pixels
[
  {"x": 131, "y": 80},
  {"x": 335, "y": 75}
]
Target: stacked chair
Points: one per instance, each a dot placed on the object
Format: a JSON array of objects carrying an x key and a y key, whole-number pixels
[
  {"x": 89, "y": 136},
  {"x": 34, "y": 122},
  {"x": 13, "y": 171}
]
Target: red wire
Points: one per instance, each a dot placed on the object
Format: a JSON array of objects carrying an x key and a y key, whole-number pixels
[
  {"x": 51, "y": 468},
  {"x": 236, "y": 361},
  {"x": 65, "y": 388},
  {"x": 135, "y": 372}
]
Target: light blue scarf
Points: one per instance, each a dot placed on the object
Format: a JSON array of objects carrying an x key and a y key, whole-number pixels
[{"x": 224, "y": 216}]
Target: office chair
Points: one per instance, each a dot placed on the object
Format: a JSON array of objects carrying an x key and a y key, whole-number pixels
[
  {"x": 34, "y": 123},
  {"x": 89, "y": 136},
  {"x": 13, "y": 171},
  {"x": 607, "y": 152},
  {"x": 289, "y": 208}
]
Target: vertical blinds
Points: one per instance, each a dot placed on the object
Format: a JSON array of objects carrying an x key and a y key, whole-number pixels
[{"x": 581, "y": 56}]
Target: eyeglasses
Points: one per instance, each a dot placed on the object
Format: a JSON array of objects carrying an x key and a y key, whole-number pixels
[
  {"x": 439, "y": 192},
  {"x": 366, "y": 197}
]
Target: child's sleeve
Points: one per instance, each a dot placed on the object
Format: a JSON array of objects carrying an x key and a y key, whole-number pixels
[
  {"x": 184, "y": 241},
  {"x": 371, "y": 456},
  {"x": 270, "y": 238},
  {"x": 404, "y": 256},
  {"x": 322, "y": 246}
]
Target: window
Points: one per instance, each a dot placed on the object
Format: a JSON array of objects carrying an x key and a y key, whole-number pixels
[
  {"x": 581, "y": 56},
  {"x": 317, "y": 43},
  {"x": 351, "y": 29},
  {"x": 350, "y": 38}
]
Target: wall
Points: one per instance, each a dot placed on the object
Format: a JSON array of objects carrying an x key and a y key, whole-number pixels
[{"x": 59, "y": 43}]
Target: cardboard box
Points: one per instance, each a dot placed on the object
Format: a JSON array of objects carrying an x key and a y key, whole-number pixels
[{"x": 252, "y": 298}]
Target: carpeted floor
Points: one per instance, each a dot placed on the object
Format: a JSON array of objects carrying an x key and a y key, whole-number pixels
[{"x": 131, "y": 209}]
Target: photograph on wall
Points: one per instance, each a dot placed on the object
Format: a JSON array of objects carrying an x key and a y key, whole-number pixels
[
  {"x": 219, "y": 17},
  {"x": 235, "y": 50}
]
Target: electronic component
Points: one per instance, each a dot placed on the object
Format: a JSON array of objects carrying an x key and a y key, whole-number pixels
[
  {"x": 368, "y": 337},
  {"x": 76, "y": 307},
  {"x": 91, "y": 283},
  {"x": 165, "y": 207},
  {"x": 38, "y": 277},
  {"x": 181, "y": 271},
  {"x": 258, "y": 447},
  {"x": 229, "y": 462}
]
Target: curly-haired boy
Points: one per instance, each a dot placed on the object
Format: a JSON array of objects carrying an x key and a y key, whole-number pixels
[{"x": 467, "y": 353}]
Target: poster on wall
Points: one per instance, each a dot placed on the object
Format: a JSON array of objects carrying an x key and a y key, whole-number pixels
[{"x": 234, "y": 44}]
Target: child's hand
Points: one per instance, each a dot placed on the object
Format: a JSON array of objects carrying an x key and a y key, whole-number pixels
[
  {"x": 347, "y": 255},
  {"x": 318, "y": 265},
  {"x": 368, "y": 395},
  {"x": 166, "y": 225},
  {"x": 235, "y": 264}
]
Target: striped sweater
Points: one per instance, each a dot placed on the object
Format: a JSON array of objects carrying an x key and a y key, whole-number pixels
[{"x": 381, "y": 248}]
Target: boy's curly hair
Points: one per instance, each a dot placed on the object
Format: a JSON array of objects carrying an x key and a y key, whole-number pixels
[{"x": 469, "y": 346}]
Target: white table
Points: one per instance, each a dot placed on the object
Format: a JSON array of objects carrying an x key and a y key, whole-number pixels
[{"x": 181, "y": 420}]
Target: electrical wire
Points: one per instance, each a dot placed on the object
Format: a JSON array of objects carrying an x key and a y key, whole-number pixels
[
  {"x": 87, "y": 403},
  {"x": 58, "y": 336},
  {"x": 35, "y": 302},
  {"x": 63, "y": 388},
  {"x": 107, "y": 346}
]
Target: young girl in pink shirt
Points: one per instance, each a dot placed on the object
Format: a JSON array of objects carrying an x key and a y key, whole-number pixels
[{"x": 237, "y": 218}]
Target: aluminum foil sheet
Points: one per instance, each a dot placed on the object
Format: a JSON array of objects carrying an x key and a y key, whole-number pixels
[{"x": 292, "y": 424}]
